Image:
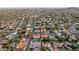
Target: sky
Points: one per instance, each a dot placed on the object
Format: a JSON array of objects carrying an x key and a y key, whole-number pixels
[{"x": 39, "y": 3}]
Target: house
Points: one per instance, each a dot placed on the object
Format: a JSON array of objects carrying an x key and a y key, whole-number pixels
[
  {"x": 43, "y": 30},
  {"x": 23, "y": 39},
  {"x": 37, "y": 30},
  {"x": 36, "y": 49},
  {"x": 29, "y": 29},
  {"x": 28, "y": 25},
  {"x": 35, "y": 45},
  {"x": 4, "y": 41},
  {"x": 44, "y": 36},
  {"x": 36, "y": 36}
]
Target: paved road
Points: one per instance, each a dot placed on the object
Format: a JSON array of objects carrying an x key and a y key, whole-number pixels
[{"x": 30, "y": 38}]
